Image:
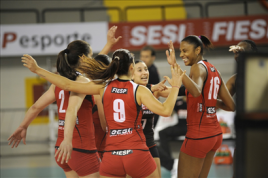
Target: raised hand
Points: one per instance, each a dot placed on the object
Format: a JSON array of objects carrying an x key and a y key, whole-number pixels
[
  {"x": 64, "y": 151},
  {"x": 15, "y": 138},
  {"x": 171, "y": 58},
  {"x": 111, "y": 39},
  {"x": 29, "y": 62},
  {"x": 236, "y": 49},
  {"x": 159, "y": 87},
  {"x": 177, "y": 75}
]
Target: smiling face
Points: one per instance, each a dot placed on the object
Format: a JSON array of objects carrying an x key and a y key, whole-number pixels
[
  {"x": 188, "y": 53},
  {"x": 141, "y": 74}
]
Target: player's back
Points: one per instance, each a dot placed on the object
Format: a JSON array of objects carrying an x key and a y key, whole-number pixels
[
  {"x": 201, "y": 111},
  {"x": 83, "y": 134},
  {"x": 123, "y": 116}
]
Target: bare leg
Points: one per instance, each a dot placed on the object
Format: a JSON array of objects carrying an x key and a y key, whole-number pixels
[
  {"x": 189, "y": 167},
  {"x": 71, "y": 174},
  {"x": 207, "y": 164},
  {"x": 154, "y": 174},
  {"x": 158, "y": 164}
]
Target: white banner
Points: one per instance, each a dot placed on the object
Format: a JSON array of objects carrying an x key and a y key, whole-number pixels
[{"x": 50, "y": 39}]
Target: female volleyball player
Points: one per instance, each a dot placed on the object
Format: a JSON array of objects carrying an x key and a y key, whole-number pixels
[
  {"x": 122, "y": 99},
  {"x": 74, "y": 110},
  {"x": 203, "y": 85}
]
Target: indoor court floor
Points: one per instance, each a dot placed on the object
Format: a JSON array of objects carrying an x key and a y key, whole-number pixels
[{"x": 44, "y": 166}]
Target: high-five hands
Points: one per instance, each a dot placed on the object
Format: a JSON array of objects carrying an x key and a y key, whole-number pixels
[
  {"x": 159, "y": 87},
  {"x": 171, "y": 58},
  {"x": 177, "y": 75}
]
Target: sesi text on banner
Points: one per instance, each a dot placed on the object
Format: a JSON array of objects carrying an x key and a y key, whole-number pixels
[{"x": 221, "y": 31}]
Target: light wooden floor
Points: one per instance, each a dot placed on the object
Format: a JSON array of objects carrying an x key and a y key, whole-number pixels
[{"x": 44, "y": 166}]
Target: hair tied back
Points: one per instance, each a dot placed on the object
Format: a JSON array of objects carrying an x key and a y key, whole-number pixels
[
  {"x": 116, "y": 57},
  {"x": 66, "y": 51}
]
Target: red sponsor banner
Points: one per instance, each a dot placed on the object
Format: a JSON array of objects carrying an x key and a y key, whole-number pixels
[{"x": 221, "y": 31}]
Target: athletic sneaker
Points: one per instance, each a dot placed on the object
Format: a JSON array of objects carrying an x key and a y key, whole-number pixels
[{"x": 174, "y": 170}]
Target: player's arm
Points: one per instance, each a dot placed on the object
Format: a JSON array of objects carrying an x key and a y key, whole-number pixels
[
  {"x": 195, "y": 84},
  {"x": 226, "y": 102},
  {"x": 230, "y": 84},
  {"x": 100, "y": 112},
  {"x": 89, "y": 88},
  {"x": 74, "y": 104},
  {"x": 20, "y": 133}
]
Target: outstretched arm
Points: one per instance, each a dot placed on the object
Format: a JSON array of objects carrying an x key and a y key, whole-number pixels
[
  {"x": 20, "y": 133},
  {"x": 89, "y": 88}
]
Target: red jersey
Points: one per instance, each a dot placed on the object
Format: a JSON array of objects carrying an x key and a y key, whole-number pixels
[
  {"x": 100, "y": 135},
  {"x": 123, "y": 116},
  {"x": 201, "y": 111},
  {"x": 83, "y": 134}
]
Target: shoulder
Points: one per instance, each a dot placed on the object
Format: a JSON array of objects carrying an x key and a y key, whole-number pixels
[
  {"x": 142, "y": 89},
  {"x": 198, "y": 69}
]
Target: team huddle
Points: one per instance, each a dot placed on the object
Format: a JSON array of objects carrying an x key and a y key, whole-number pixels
[{"x": 106, "y": 109}]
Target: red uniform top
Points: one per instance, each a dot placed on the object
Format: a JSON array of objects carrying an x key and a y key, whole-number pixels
[
  {"x": 100, "y": 135},
  {"x": 83, "y": 134},
  {"x": 202, "y": 120},
  {"x": 123, "y": 116}
]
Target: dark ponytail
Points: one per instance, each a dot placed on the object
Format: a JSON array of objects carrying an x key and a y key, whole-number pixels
[
  {"x": 201, "y": 41},
  {"x": 68, "y": 59},
  {"x": 121, "y": 61}
]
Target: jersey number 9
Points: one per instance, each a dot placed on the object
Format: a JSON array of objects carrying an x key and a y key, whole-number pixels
[{"x": 119, "y": 110}]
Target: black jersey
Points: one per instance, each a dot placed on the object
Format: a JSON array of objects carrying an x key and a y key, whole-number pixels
[{"x": 147, "y": 125}]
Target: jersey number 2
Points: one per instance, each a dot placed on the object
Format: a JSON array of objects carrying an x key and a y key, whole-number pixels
[
  {"x": 119, "y": 110},
  {"x": 61, "y": 96},
  {"x": 214, "y": 88}
]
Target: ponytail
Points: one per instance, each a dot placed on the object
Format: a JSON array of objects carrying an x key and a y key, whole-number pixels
[
  {"x": 64, "y": 68},
  {"x": 68, "y": 59},
  {"x": 206, "y": 42},
  {"x": 97, "y": 70}
]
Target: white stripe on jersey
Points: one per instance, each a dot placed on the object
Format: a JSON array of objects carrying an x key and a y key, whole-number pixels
[{"x": 201, "y": 62}]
